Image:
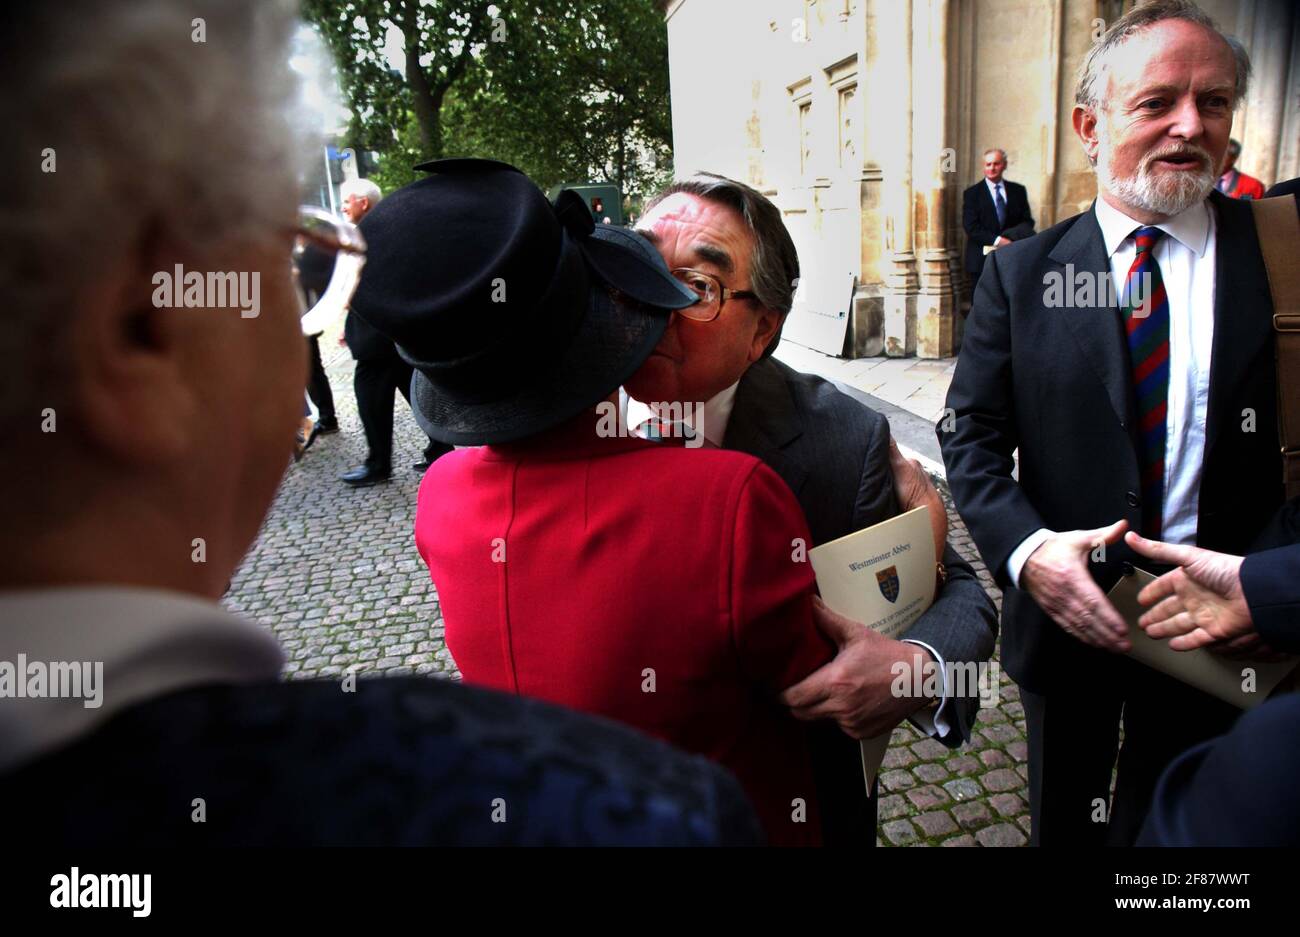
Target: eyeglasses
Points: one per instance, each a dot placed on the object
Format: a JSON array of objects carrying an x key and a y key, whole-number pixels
[
  {"x": 712, "y": 294},
  {"x": 328, "y": 255}
]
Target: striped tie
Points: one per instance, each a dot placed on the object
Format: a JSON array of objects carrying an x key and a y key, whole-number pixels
[
  {"x": 1146, "y": 319},
  {"x": 665, "y": 432}
]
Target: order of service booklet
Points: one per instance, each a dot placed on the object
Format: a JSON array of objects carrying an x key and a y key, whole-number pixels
[
  {"x": 882, "y": 576},
  {"x": 1243, "y": 683}
]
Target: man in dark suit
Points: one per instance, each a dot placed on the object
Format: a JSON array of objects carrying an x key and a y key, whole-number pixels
[
  {"x": 1127, "y": 353},
  {"x": 994, "y": 212},
  {"x": 380, "y": 371},
  {"x": 833, "y": 453},
  {"x": 133, "y": 708}
]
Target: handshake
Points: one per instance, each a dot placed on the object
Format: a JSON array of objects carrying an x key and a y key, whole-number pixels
[{"x": 1198, "y": 604}]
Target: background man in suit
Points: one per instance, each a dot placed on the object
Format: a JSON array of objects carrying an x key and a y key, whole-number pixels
[
  {"x": 1159, "y": 413},
  {"x": 994, "y": 212},
  {"x": 1233, "y": 182},
  {"x": 380, "y": 370},
  {"x": 99, "y": 551},
  {"x": 723, "y": 236}
]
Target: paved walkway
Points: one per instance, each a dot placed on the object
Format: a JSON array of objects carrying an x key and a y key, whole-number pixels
[{"x": 335, "y": 575}]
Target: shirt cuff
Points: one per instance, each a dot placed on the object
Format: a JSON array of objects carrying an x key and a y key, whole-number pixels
[
  {"x": 934, "y": 723},
  {"x": 1020, "y": 555}
]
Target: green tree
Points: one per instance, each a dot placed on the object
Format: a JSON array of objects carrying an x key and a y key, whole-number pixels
[{"x": 567, "y": 91}]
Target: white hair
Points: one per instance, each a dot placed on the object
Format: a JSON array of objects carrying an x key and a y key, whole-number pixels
[
  {"x": 361, "y": 188},
  {"x": 1090, "y": 84},
  {"x": 132, "y": 125}
]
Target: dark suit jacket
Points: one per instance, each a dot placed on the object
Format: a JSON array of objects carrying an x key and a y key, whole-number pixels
[
  {"x": 404, "y": 761},
  {"x": 1237, "y": 790},
  {"x": 979, "y": 217},
  {"x": 1055, "y": 384},
  {"x": 1271, "y": 583},
  {"x": 833, "y": 453},
  {"x": 365, "y": 341}
]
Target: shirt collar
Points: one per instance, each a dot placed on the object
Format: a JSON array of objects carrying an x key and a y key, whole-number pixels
[
  {"x": 144, "y": 643},
  {"x": 1190, "y": 227},
  {"x": 713, "y": 416},
  {"x": 993, "y": 186}
]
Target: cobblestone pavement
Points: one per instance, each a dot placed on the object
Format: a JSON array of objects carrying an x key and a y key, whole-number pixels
[{"x": 335, "y": 575}]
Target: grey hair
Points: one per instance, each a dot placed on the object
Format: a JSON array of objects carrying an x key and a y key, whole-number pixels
[
  {"x": 1088, "y": 89},
  {"x": 154, "y": 138},
  {"x": 774, "y": 265},
  {"x": 996, "y": 149},
  {"x": 361, "y": 188}
]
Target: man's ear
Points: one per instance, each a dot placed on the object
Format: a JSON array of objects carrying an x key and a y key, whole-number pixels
[
  {"x": 766, "y": 325},
  {"x": 129, "y": 389},
  {"x": 1085, "y": 126}
]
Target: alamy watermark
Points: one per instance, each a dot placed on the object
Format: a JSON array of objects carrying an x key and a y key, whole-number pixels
[
  {"x": 675, "y": 420},
  {"x": 177, "y": 288},
  {"x": 60, "y": 679},
  {"x": 966, "y": 679}
]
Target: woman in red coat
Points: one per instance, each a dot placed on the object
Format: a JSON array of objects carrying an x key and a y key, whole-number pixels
[{"x": 662, "y": 588}]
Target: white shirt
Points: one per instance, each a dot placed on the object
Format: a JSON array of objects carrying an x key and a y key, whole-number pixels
[
  {"x": 1186, "y": 255},
  {"x": 149, "y": 642},
  {"x": 713, "y": 417}
]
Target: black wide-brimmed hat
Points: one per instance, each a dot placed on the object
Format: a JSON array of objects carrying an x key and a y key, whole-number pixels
[{"x": 514, "y": 316}]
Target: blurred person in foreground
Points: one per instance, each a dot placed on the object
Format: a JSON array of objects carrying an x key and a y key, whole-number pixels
[
  {"x": 144, "y": 444},
  {"x": 573, "y": 561}
]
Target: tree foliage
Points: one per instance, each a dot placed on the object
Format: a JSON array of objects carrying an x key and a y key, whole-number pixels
[{"x": 568, "y": 91}]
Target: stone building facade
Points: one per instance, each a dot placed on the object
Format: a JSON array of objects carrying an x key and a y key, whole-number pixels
[{"x": 864, "y": 120}]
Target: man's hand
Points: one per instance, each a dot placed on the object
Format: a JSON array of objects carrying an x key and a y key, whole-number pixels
[
  {"x": 1001, "y": 241},
  {"x": 855, "y": 688},
  {"x": 1056, "y": 575},
  {"x": 913, "y": 488},
  {"x": 1197, "y": 604}
]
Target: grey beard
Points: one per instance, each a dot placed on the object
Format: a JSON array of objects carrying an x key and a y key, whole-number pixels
[{"x": 1169, "y": 196}]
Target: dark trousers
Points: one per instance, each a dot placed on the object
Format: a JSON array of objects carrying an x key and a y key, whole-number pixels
[
  {"x": 374, "y": 382},
  {"x": 1073, "y": 741},
  {"x": 318, "y": 385}
]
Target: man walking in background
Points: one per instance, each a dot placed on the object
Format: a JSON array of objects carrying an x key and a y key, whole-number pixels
[{"x": 380, "y": 370}]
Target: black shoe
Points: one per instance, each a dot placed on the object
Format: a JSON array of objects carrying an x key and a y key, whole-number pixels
[
  {"x": 421, "y": 467},
  {"x": 325, "y": 427},
  {"x": 365, "y": 476}
]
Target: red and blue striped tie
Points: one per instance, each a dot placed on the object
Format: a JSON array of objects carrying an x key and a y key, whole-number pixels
[{"x": 1146, "y": 319}]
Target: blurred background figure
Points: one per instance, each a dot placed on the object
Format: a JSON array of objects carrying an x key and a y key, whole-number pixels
[
  {"x": 380, "y": 370},
  {"x": 994, "y": 212},
  {"x": 1233, "y": 182}
]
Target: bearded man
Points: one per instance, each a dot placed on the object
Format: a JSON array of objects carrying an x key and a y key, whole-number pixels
[{"x": 1156, "y": 412}]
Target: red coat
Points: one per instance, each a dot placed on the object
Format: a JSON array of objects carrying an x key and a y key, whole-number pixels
[{"x": 588, "y": 571}]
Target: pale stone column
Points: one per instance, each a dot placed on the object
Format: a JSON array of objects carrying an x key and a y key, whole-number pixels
[
  {"x": 934, "y": 302},
  {"x": 891, "y": 82}
]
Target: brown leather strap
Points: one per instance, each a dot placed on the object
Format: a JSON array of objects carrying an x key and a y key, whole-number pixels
[{"x": 1279, "y": 240}]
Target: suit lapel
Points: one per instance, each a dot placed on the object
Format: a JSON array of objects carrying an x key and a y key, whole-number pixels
[
  {"x": 1243, "y": 310},
  {"x": 1097, "y": 329},
  {"x": 764, "y": 422}
]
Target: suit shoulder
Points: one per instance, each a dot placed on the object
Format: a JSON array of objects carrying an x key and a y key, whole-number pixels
[{"x": 824, "y": 408}]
